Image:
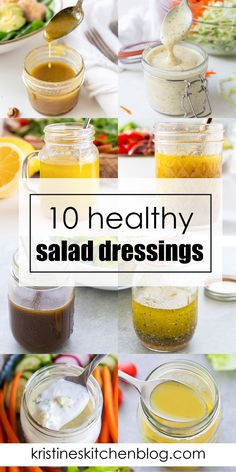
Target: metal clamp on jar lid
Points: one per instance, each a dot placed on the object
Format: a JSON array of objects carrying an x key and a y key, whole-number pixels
[
  {"x": 187, "y": 98},
  {"x": 179, "y": 90}
]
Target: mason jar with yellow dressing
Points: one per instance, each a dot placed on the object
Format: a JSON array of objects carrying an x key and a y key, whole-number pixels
[
  {"x": 168, "y": 427},
  {"x": 69, "y": 152},
  {"x": 188, "y": 150}
]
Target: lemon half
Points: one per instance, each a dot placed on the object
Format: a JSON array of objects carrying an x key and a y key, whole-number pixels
[{"x": 12, "y": 153}]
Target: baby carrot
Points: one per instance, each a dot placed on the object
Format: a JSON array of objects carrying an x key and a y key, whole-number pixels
[
  {"x": 104, "y": 434},
  {"x": 4, "y": 390},
  {"x": 97, "y": 376},
  {"x": 1, "y": 434},
  {"x": 115, "y": 391},
  {"x": 13, "y": 469},
  {"x": 35, "y": 469},
  {"x": 108, "y": 403},
  {"x": 12, "y": 401},
  {"x": 11, "y": 436},
  {"x": 126, "y": 110}
]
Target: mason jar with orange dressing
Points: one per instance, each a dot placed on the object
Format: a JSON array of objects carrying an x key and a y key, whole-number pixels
[
  {"x": 188, "y": 150},
  {"x": 171, "y": 428}
]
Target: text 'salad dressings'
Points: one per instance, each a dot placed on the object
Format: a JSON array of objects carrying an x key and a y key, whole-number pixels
[
  {"x": 56, "y": 410},
  {"x": 175, "y": 70}
]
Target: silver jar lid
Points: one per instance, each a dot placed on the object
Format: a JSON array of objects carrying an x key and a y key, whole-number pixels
[{"x": 222, "y": 289}]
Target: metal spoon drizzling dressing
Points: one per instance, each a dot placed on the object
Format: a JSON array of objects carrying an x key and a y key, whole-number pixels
[
  {"x": 64, "y": 22},
  {"x": 175, "y": 27},
  {"x": 146, "y": 389}
]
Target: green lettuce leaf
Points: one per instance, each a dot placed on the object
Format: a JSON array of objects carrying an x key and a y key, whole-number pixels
[{"x": 223, "y": 361}]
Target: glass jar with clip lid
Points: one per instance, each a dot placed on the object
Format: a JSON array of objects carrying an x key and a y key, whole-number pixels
[{"x": 181, "y": 90}]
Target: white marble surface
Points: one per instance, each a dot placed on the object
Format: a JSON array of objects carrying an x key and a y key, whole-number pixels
[{"x": 226, "y": 381}]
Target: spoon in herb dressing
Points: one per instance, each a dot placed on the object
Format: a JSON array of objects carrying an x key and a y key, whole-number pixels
[
  {"x": 64, "y": 22},
  {"x": 175, "y": 27}
]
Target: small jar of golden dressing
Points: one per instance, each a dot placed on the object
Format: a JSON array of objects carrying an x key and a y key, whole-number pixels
[
  {"x": 53, "y": 77},
  {"x": 194, "y": 416},
  {"x": 188, "y": 150},
  {"x": 165, "y": 318}
]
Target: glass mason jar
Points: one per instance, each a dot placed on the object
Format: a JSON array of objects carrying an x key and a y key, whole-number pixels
[
  {"x": 165, "y": 318},
  {"x": 85, "y": 428},
  {"x": 188, "y": 150},
  {"x": 41, "y": 318},
  {"x": 53, "y": 98},
  {"x": 177, "y": 92},
  {"x": 155, "y": 429},
  {"x": 68, "y": 152}
]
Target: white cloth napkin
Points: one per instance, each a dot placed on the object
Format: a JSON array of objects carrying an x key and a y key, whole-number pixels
[
  {"x": 101, "y": 78},
  {"x": 141, "y": 23}
]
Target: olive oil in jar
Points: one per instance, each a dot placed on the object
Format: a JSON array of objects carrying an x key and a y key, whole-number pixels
[
  {"x": 164, "y": 318},
  {"x": 53, "y": 72}
]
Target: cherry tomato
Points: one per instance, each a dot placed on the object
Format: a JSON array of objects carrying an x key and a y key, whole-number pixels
[
  {"x": 23, "y": 121},
  {"x": 102, "y": 136},
  {"x": 129, "y": 368}
]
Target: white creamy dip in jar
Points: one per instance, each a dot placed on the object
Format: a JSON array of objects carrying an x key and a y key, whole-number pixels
[
  {"x": 54, "y": 412},
  {"x": 60, "y": 403},
  {"x": 186, "y": 58},
  {"x": 170, "y": 87}
]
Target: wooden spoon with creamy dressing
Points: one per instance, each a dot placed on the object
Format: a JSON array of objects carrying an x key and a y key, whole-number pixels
[{"x": 175, "y": 27}]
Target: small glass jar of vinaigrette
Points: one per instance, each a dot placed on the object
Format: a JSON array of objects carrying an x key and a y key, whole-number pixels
[
  {"x": 68, "y": 152},
  {"x": 165, "y": 318},
  {"x": 85, "y": 428},
  {"x": 41, "y": 318},
  {"x": 180, "y": 90},
  {"x": 188, "y": 150},
  {"x": 53, "y": 81},
  {"x": 196, "y": 422}
]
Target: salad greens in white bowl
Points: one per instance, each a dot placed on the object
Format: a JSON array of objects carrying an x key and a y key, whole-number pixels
[{"x": 22, "y": 19}]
